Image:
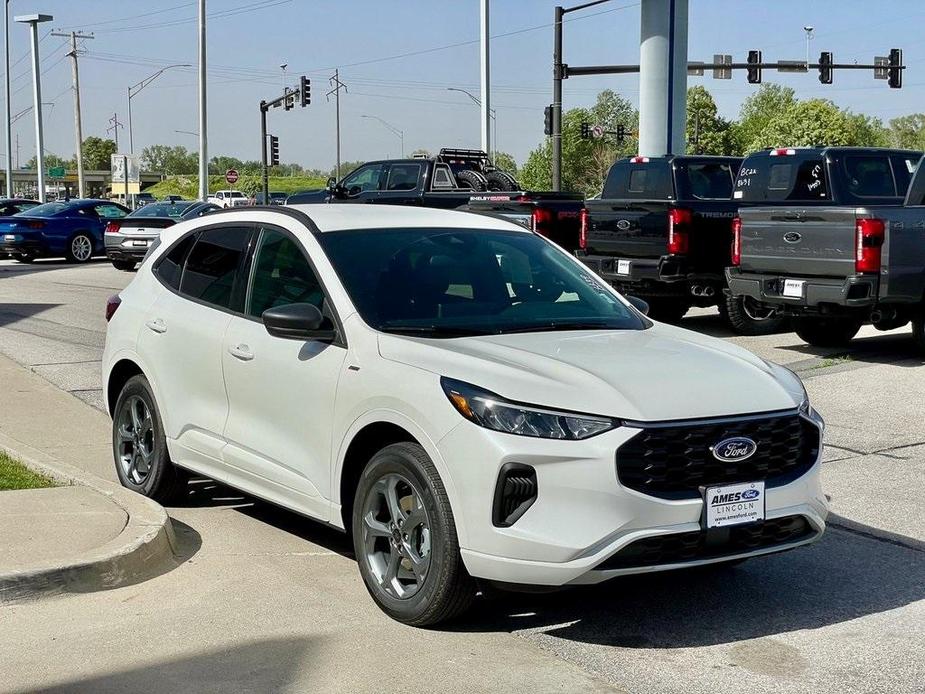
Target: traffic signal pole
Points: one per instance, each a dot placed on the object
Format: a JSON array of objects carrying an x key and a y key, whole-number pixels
[
  {"x": 263, "y": 152},
  {"x": 288, "y": 99}
]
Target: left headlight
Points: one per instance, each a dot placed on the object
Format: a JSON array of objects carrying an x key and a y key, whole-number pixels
[{"x": 491, "y": 411}]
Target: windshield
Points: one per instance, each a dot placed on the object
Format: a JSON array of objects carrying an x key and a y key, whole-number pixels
[
  {"x": 162, "y": 209},
  {"x": 49, "y": 209},
  {"x": 454, "y": 282},
  {"x": 234, "y": 194}
]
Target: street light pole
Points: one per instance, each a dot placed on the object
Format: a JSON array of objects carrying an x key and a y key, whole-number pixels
[
  {"x": 397, "y": 131},
  {"x": 485, "y": 105},
  {"x": 33, "y": 20},
  {"x": 6, "y": 85},
  {"x": 491, "y": 112},
  {"x": 137, "y": 88},
  {"x": 203, "y": 135}
]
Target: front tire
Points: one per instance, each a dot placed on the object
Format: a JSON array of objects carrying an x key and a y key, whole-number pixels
[
  {"x": 826, "y": 332},
  {"x": 140, "y": 447},
  {"x": 749, "y": 317},
  {"x": 79, "y": 248},
  {"x": 405, "y": 539}
]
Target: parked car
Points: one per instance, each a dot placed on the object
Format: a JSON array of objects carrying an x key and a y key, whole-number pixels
[
  {"x": 662, "y": 230},
  {"x": 10, "y": 206},
  {"x": 173, "y": 198},
  {"x": 276, "y": 197},
  {"x": 72, "y": 229},
  {"x": 456, "y": 179},
  {"x": 824, "y": 236},
  {"x": 127, "y": 240},
  {"x": 142, "y": 199},
  {"x": 229, "y": 198},
  {"x": 459, "y": 394}
]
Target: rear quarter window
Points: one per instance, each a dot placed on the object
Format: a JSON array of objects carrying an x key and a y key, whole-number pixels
[{"x": 785, "y": 178}]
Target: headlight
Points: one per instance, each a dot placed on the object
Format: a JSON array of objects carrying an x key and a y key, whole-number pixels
[{"x": 494, "y": 412}]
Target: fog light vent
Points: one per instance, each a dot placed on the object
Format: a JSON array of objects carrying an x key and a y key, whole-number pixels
[{"x": 514, "y": 494}]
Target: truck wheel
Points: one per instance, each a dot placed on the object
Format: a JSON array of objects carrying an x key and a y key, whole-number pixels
[
  {"x": 750, "y": 317},
  {"x": 472, "y": 179},
  {"x": 826, "y": 332},
  {"x": 918, "y": 332},
  {"x": 666, "y": 310},
  {"x": 501, "y": 181}
]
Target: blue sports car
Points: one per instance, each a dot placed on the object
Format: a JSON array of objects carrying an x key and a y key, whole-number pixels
[{"x": 72, "y": 229}]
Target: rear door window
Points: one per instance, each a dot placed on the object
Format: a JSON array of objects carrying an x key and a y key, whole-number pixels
[
  {"x": 403, "y": 176},
  {"x": 170, "y": 267},
  {"x": 869, "y": 176},
  {"x": 212, "y": 268}
]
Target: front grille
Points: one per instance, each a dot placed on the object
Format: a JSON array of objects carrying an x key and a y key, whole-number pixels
[
  {"x": 673, "y": 462},
  {"x": 698, "y": 545}
]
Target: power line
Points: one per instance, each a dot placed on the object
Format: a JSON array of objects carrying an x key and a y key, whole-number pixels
[{"x": 221, "y": 14}]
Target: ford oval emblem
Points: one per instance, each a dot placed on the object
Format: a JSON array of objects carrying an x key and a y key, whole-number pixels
[
  {"x": 736, "y": 448},
  {"x": 623, "y": 224},
  {"x": 750, "y": 494},
  {"x": 792, "y": 237}
]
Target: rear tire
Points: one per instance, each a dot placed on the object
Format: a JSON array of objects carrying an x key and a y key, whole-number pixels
[
  {"x": 405, "y": 539},
  {"x": 79, "y": 248},
  {"x": 472, "y": 179},
  {"x": 748, "y": 317},
  {"x": 124, "y": 265},
  {"x": 826, "y": 332},
  {"x": 666, "y": 310},
  {"x": 139, "y": 445}
]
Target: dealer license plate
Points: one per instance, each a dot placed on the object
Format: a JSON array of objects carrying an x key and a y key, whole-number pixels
[
  {"x": 794, "y": 288},
  {"x": 623, "y": 267},
  {"x": 9, "y": 237},
  {"x": 140, "y": 243},
  {"x": 734, "y": 504}
]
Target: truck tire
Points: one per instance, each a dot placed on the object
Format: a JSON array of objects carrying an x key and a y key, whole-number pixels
[
  {"x": 472, "y": 179},
  {"x": 826, "y": 332},
  {"x": 666, "y": 309},
  {"x": 748, "y": 317},
  {"x": 501, "y": 181}
]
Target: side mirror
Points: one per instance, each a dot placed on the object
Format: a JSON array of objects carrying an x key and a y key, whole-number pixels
[
  {"x": 298, "y": 322},
  {"x": 639, "y": 304},
  {"x": 332, "y": 185}
]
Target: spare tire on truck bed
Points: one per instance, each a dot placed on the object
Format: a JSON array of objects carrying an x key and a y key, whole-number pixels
[
  {"x": 501, "y": 181},
  {"x": 472, "y": 179}
]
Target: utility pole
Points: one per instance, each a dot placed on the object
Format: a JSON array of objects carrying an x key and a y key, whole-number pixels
[
  {"x": 203, "y": 125},
  {"x": 114, "y": 128},
  {"x": 485, "y": 120},
  {"x": 78, "y": 130},
  {"x": 338, "y": 85},
  {"x": 6, "y": 103}
]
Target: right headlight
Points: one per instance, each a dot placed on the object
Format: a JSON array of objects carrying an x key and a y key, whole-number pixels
[{"x": 491, "y": 411}]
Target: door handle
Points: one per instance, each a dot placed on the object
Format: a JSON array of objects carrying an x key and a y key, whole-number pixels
[
  {"x": 242, "y": 352},
  {"x": 156, "y": 325}
]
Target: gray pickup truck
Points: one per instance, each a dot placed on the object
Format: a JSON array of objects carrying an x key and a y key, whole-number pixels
[{"x": 833, "y": 237}]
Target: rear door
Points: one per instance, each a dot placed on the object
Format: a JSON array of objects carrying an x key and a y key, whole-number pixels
[{"x": 403, "y": 184}]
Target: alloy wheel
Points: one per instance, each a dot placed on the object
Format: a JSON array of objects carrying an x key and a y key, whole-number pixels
[
  {"x": 136, "y": 440},
  {"x": 81, "y": 248},
  {"x": 396, "y": 536}
]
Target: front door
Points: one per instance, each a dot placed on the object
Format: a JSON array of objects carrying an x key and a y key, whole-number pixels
[{"x": 280, "y": 392}]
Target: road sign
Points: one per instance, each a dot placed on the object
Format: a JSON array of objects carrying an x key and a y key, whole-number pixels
[
  {"x": 791, "y": 66},
  {"x": 118, "y": 163},
  {"x": 231, "y": 176},
  {"x": 56, "y": 172},
  {"x": 597, "y": 131},
  {"x": 882, "y": 67}
]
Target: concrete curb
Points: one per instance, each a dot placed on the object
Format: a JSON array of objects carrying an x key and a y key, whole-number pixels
[{"x": 145, "y": 547}]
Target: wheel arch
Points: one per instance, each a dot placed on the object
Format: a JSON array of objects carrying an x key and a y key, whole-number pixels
[{"x": 119, "y": 375}]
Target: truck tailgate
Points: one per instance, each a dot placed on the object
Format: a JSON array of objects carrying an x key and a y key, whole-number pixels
[
  {"x": 813, "y": 241},
  {"x": 631, "y": 229}
]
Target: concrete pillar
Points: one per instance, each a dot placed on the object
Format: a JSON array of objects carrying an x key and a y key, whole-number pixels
[{"x": 662, "y": 77}]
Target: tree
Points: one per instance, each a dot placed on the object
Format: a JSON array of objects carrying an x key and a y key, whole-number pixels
[
  {"x": 811, "y": 123},
  {"x": 908, "y": 132},
  {"x": 221, "y": 164},
  {"x": 707, "y": 133},
  {"x": 867, "y": 131},
  {"x": 52, "y": 160},
  {"x": 758, "y": 110},
  {"x": 170, "y": 160},
  {"x": 97, "y": 153},
  {"x": 505, "y": 162}
]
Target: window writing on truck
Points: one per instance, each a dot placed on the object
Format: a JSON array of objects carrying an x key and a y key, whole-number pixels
[{"x": 790, "y": 179}]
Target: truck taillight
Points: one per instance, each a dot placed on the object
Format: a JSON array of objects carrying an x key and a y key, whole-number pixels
[
  {"x": 541, "y": 217},
  {"x": 583, "y": 228},
  {"x": 736, "y": 241},
  {"x": 869, "y": 234},
  {"x": 679, "y": 221},
  {"x": 113, "y": 227},
  {"x": 112, "y": 303}
]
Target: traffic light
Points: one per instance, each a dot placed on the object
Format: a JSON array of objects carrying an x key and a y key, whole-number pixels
[
  {"x": 547, "y": 126},
  {"x": 585, "y": 130},
  {"x": 895, "y": 74},
  {"x": 274, "y": 150},
  {"x": 305, "y": 91},
  {"x": 289, "y": 101},
  {"x": 754, "y": 67},
  {"x": 825, "y": 67},
  {"x": 621, "y": 132}
]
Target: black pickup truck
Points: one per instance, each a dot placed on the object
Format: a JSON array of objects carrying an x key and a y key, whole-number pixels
[
  {"x": 662, "y": 231},
  {"x": 834, "y": 237},
  {"x": 456, "y": 179}
]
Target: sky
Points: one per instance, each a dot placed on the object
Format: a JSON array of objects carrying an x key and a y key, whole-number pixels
[{"x": 398, "y": 59}]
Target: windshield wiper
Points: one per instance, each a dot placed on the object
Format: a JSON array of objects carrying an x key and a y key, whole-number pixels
[
  {"x": 549, "y": 327},
  {"x": 432, "y": 330}
]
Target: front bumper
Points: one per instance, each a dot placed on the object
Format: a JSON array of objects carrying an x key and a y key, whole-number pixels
[
  {"x": 857, "y": 291},
  {"x": 583, "y": 517},
  {"x": 123, "y": 247}
]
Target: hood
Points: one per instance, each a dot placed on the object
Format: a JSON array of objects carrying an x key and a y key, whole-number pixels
[{"x": 662, "y": 373}]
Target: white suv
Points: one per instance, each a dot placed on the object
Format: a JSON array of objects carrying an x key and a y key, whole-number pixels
[
  {"x": 229, "y": 198},
  {"x": 458, "y": 393}
]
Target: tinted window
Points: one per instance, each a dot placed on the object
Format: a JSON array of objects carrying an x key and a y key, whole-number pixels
[
  {"x": 644, "y": 181},
  {"x": 403, "y": 176},
  {"x": 163, "y": 209},
  {"x": 442, "y": 177},
  {"x": 869, "y": 176},
  {"x": 452, "y": 282},
  {"x": 709, "y": 181},
  {"x": 281, "y": 275},
  {"x": 170, "y": 267},
  {"x": 637, "y": 182},
  {"x": 903, "y": 168},
  {"x": 365, "y": 178},
  {"x": 784, "y": 177},
  {"x": 48, "y": 209},
  {"x": 212, "y": 265},
  {"x": 110, "y": 211}
]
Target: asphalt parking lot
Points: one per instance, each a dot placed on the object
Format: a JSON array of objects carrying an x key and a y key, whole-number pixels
[{"x": 267, "y": 601}]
